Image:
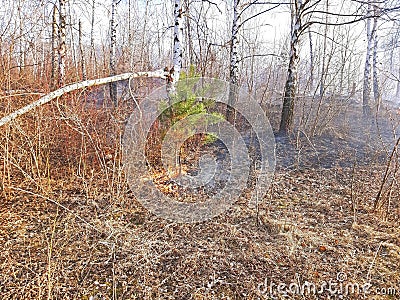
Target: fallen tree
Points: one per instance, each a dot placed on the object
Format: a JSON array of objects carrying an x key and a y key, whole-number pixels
[{"x": 88, "y": 83}]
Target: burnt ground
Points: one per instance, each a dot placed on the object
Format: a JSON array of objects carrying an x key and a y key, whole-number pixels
[{"x": 316, "y": 226}]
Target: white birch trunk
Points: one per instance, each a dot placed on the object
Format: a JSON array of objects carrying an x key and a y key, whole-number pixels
[
  {"x": 69, "y": 88},
  {"x": 177, "y": 62},
  {"x": 61, "y": 45},
  {"x": 291, "y": 82},
  {"x": 233, "y": 67},
  {"x": 54, "y": 34},
  {"x": 113, "y": 33},
  {"x": 377, "y": 93},
  {"x": 367, "y": 70},
  {"x": 177, "y": 54}
]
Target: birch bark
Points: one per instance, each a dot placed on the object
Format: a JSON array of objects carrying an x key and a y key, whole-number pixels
[
  {"x": 54, "y": 34},
  {"x": 375, "y": 85},
  {"x": 69, "y": 88},
  {"x": 291, "y": 82},
  {"x": 113, "y": 40},
  {"x": 61, "y": 46},
  {"x": 233, "y": 70},
  {"x": 367, "y": 69},
  {"x": 177, "y": 52}
]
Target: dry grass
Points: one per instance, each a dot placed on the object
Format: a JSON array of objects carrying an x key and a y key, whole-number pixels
[{"x": 71, "y": 229}]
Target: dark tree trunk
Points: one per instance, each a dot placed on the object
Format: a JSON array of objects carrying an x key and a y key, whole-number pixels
[{"x": 286, "y": 125}]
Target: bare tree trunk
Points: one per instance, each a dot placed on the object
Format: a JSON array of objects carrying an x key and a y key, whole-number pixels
[
  {"x": 367, "y": 70},
  {"x": 143, "y": 46},
  {"x": 311, "y": 61},
  {"x": 190, "y": 51},
  {"x": 130, "y": 37},
  {"x": 72, "y": 45},
  {"x": 92, "y": 46},
  {"x": 61, "y": 46},
  {"x": 323, "y": 69},
  {"x": 233, "y": 69},
  {"x": 113, "y": 33},
  {"x": 54, "y": 34},
  {"x": 377, "y": 93},
  {"x": 291, "y": 82},
  {"x": 82, "y": 57},
  {"x": 398, "y": 82},
  {"x": 21, "y": 62}
]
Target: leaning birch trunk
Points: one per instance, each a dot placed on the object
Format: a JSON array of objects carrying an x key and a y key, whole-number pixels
[
  {"x": 61, "y": 46},
  {"x": 81, "y": 55},
  {"x": 233, "y": 69},
  {"x": 54, "y": 33},
  {"x": 367, "y": 71},
  {"x": 113, "y": 32},
  {"x": 69, "y": 88},
  {"x": 377, "y": 93},
  {"x": 291, "y": 82}
]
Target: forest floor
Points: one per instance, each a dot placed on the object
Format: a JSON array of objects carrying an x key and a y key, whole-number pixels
[{"x": 314, "y": 236}]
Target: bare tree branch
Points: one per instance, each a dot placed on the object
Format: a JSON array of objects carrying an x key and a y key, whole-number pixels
[
  {"x": 260, "y": 55},
  {"x": 256, "y": 15}
]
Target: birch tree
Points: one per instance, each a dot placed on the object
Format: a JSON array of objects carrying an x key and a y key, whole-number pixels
[
  {"x": 238, "y": 12},
  {"x": 324, "y": 67},
  {"x": 305, "y": 10},
  {"x": 113, "y": 41},
  {"x": 61, "y": 45},
  {"x": 376, "y": 88},
  {"x": 233, "y": 67},
  {"x": 177, "y": 51},
  {"x": 367, "y": 69},
  {"x": 291, "y": 81},
  {"x": 54, "y": 34}
]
